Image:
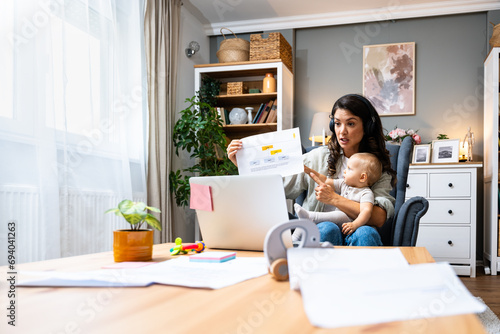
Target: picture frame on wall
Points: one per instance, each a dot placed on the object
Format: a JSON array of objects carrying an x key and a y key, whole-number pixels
[
  {"x": 389, "y": 78},
  {"x": 445, "y": 150},
  {"x": 421, "y": 154}
]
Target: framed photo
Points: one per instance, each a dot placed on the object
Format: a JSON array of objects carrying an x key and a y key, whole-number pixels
[
  {"x": 421, "y": 154},
  {"x": 389, "y": 78},
  {"x": 445, "y": 150}
]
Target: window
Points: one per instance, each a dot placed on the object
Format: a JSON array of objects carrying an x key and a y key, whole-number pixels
[{"x": 7, "y": 63}]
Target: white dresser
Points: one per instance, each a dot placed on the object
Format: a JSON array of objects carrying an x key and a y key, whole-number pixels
[{"x": 448, "y": 229}]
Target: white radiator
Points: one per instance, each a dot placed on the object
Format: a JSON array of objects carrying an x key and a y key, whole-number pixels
[
  {"x": 20, "y": 205},
  {"x": 80, "y": 227}
]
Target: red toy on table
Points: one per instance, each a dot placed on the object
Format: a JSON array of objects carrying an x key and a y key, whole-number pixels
[{"x": 179, "y": 248}]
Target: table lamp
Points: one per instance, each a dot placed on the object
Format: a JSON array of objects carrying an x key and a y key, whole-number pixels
[{"x": 320, "y": 128}]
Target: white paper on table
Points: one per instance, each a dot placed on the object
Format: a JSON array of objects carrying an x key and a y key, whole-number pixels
[
  {"x": 304, "y": 261},
  {"x": 398, "y": 294},
  {"x": 183, "y": 272},
  {"x": 177, "y": 271},
  {"x": 278, "y": 152}
]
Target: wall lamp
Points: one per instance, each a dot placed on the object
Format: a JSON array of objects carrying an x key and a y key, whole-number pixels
[{"x": 192, "y": 48}]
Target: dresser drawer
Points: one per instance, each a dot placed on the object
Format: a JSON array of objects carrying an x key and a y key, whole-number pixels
[
  {"x": 445, "y": 242},
  {"x": 456, "y": 211},
  {"x": 449, "y": 184},
  {"x": 416, "y": 185}
]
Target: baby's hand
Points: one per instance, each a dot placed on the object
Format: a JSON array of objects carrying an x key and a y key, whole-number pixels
[
  {"x": 349, "y": 228},
  {"x": 308, "y": 171}
]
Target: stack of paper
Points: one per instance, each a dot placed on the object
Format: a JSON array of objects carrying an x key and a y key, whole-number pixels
[
  {"x": 344, "y": 290},
  {"x": 178, "y": 271}
]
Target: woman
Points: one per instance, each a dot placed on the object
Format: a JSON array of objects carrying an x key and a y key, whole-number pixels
[{"x": 356, "y": 127}]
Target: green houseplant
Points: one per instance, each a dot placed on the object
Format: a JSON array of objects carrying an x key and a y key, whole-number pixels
[
  {"x": 134, "y": 244},
  {"x": 199, "y": 131}
]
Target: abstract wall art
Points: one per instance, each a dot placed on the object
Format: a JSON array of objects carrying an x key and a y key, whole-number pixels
[{"x": 389, "y": 78}]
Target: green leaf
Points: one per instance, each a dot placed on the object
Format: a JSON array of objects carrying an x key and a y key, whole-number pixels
[
  {"x": 153, "y": 222},
  {"x": 125, "y": 206},
  {"x": 151, "y": 208},
  {"x": 133, "y": 219}
]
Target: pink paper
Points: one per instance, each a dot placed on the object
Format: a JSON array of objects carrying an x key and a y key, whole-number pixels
[{"x": 201, "y": 197}]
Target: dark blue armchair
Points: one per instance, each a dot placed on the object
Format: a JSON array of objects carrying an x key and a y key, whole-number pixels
[{"x": 402, "y": 229}]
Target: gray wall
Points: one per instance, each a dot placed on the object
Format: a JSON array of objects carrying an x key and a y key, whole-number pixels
[{"x": 450, "y": 51}]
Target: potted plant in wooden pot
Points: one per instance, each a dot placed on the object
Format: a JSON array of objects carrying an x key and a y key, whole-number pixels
[{"x": 134, "y": 244}]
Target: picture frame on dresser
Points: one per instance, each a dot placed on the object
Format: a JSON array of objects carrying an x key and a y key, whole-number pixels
[
  {"x": 421, "y": 154},
  {"x": 445, "y": 150}
]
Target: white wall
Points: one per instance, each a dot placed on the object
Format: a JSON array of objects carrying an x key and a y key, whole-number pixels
[{"x": 190, "y": 30}]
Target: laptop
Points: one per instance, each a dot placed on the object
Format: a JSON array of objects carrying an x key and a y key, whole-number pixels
[{"x": 244, "y": 209}]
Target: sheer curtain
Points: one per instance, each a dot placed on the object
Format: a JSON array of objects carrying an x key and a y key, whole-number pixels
[{"x": 72, "y": 122}]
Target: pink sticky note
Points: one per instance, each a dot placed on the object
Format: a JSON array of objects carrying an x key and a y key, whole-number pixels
[{"x": 201, "y": 197}]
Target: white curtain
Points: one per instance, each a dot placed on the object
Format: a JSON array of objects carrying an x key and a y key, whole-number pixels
[{"x": 72, "y": 123}]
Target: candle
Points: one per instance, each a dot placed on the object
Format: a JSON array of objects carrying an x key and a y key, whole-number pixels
[
  {"x": 323, "y": 136},
  {"x": 464, "y": 150}
]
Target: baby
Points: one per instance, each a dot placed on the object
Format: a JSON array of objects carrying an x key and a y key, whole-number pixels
[{"x": 363, "y": 170}]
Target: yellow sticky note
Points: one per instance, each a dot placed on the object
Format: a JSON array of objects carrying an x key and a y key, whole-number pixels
[
  {"x": 275, "y": 151},
  {"x": 265, "y": 148}
]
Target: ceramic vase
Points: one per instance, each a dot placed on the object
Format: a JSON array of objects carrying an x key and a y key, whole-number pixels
[{"x": 269, "y": 83}]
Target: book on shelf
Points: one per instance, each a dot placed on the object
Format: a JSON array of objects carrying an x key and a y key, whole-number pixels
[
  {"x": 259, "y": 113},
  {"x": 222, "y": 115},
  {"x": 265, "y": 112},
  {"x": 273, "y": 114},
  {"x": 226, "y": 116}
]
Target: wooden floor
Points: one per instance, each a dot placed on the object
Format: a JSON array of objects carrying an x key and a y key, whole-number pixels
[{"x": 485, "y": 286}]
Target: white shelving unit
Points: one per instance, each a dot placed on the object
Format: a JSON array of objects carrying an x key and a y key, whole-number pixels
[
  {"x": 491, "y": 158},
  {"x": 252, "y": 73}
]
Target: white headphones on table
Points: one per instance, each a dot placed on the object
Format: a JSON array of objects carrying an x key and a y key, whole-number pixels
[{"x": 275, "y": 249}]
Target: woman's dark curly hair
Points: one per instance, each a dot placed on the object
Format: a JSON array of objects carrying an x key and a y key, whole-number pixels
[{"x": 373, "y": 140}]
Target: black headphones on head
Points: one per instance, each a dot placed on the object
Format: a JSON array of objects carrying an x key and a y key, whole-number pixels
[{"x": 370, "y": 126}]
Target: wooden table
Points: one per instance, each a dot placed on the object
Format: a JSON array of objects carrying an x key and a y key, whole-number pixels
[{"x": 260, "y": 305}]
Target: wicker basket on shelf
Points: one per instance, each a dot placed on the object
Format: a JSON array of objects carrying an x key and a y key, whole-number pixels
[
  {"x": 233, "y": 49},
  {"x": 235, "y": 88},
  {"x": 275, "y": 46}
]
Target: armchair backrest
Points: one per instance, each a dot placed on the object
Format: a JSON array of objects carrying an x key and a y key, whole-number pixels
[{"x": 400, "y": 160}]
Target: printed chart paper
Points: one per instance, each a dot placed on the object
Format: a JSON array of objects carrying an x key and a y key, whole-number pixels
[{"x": 277, "y": 152}]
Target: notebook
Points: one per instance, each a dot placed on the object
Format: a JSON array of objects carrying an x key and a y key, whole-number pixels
[{"x": 244, "y": 209}]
